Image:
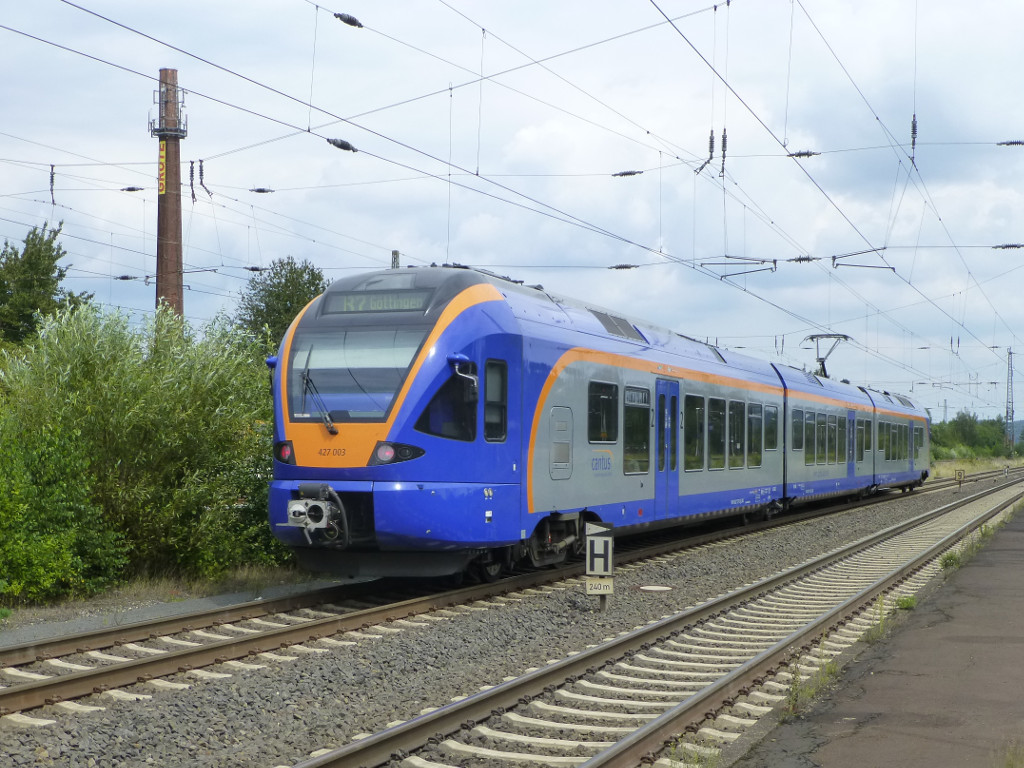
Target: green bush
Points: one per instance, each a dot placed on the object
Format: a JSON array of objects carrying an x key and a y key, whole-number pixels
[
  {"x": 53, "y": 542},
  {"x": 170, "y": 429}
]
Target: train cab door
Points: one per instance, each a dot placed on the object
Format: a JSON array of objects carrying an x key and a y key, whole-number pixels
[
  {"x": 666, "y": 444},
  {"x": 498, "y": 457}
]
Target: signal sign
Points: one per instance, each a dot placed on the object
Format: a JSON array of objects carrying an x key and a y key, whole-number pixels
[{"x": 600, "y": 549}]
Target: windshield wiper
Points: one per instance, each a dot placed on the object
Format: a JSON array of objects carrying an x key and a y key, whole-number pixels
[{"x": 309, "y": 387}]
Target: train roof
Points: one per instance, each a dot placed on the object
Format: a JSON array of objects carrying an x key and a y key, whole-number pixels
[{"x": 534, "y": 304}]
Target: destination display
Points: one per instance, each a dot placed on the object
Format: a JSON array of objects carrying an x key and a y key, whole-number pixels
[{"x": 378, "y": 301}]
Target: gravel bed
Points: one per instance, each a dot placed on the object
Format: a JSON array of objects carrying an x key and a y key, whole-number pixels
[{"x": 278, "y": 715}]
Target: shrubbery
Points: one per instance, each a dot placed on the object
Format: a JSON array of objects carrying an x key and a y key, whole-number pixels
[{"x": 131, "y": 451}]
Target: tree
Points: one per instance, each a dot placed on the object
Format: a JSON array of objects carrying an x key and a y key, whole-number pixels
[
  {"x": 30, "y": 284},
  {"x": 273, "y": 298}
]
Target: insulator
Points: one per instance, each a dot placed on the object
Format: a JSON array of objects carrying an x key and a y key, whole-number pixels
[
  {"x": 342, "y": 144},
  {"x": 1011, "y": 143},
  {"x": 352, "y": 21},
  {"x": 711, "y": 144},
  {"x": 131, "y": 189},
  {"x": 261, "y": 190},
  {"x": 627, "y": 173},
  {"x": 804, "y": 153}
]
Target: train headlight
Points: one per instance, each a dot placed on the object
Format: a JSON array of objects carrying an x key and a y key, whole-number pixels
[
  {"x": 284, "y": 452},
  {"x": 392, "y": 453}
]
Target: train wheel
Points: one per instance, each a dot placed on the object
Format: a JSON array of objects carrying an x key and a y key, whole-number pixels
[{"x": 490, "y": 571}]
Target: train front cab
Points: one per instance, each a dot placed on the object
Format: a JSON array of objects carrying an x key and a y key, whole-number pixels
[{"x": 397, "y": 431}]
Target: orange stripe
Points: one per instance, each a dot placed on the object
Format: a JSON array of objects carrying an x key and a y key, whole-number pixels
[
  {"x": 578, "y": 354},
  {"x": 315, "y": 447}
]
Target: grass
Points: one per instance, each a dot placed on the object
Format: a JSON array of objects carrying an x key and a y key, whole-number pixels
[
  {"x": 1011, "y": 756},
  {"x": 803, "y": 691},
  {"x": 969, "y": 547},
  {"x": 248, "y": 581},
  {"x": 946, "y": 468}
]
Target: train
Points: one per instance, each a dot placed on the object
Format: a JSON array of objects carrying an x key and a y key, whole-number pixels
[{"x": 442, "y": 420}]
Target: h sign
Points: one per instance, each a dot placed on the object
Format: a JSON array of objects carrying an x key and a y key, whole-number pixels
[{"x": 600, "y": 550}]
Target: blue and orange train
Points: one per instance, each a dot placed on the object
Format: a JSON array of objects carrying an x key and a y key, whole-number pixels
[{"x": 437, "y": 419}]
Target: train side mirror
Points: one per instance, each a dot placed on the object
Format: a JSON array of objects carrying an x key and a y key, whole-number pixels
[{"x": 464, "y": 368}]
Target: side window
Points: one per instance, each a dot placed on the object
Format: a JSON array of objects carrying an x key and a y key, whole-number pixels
[
  {"x": 693, "y": 432},
  {"x": 821, "y": 446},
  {"x": 603, "y": 412},
  {"x": 883, "y": 439},
  {"x": 495, "y": 401},
  {"x": 771, "y": 428},
  {"x": 833, "y": 439},
  {"x": 809, "y": 438},
  {"x": 754, "y": 435},
  {"x": 798, "y": 430},
  {"x": 636, "y": 431},
  {"x": 451, "y": 412},
  {"x": 716, "y": 433},
  {"x": 843, "y": 445},
  {"x": 861, "y": 431},
  {"x": 737, "y": 425},
  {"x": 868, "y": 428},
  {"x": 918, "y": 441}
]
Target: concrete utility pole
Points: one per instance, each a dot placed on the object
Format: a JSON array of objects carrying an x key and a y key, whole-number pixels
[
  {"x": 1010, "y": 433},
  {"x": 170, "y": 127}
]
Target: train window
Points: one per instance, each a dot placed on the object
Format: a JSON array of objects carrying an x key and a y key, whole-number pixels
[
  {"x": 798, "y": 430},
  {"x": 883, "y": 439},
  {"x": 636, "y": 431},
  {"x": 354, "y": 374},
  {"x": 754, "y": 435},
  {"x": 861, "y": 431},
  {"x": 918, "y": 441},
  {"x": 603, "y": 412},
  {"x": 833, "y": 440},
  {"x": 868, "y": 428},
  {"x": 821, "y": 438},
  {"x": 693, "y": 432},
  {"x": 771, "y": 428},
  {"x": 451, "y": 412},
  {"x": 809, "y": 418},
  {"x": 843, "y": 446},
  {"x": 737, "y": 425},
  {"x": 904, "y": 442},
  {"x": 495, "y": 401},
  {"x": 716, "y": 433}
]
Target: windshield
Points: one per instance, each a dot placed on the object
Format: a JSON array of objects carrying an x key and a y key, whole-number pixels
[{"x": 349, "y": 374}]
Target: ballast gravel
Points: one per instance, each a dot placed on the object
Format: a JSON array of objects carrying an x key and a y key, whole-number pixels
[{"x": 278, "y": 715}]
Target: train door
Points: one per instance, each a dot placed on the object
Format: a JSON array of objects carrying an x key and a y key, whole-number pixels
[{"x": 666, "y": 442}]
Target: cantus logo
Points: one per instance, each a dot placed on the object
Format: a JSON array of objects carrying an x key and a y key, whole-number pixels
[{"x": 601, "y": 462}]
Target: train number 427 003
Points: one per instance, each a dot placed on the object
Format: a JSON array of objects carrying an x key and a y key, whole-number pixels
[{"x": 331, "y": 451}]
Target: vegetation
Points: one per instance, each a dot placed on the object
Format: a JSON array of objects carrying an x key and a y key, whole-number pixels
[
  {"x": 273, "y": 298},
  {"x": 967, "y": 437},
  {"x": 30, "y": 285},
  {"x": 131, "y": 452}
]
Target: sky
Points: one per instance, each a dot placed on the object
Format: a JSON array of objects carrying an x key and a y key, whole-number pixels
[{"x": 859, "y": 181}]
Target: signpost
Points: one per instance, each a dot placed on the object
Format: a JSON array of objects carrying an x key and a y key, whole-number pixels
[{"x": 600, "y": 561}]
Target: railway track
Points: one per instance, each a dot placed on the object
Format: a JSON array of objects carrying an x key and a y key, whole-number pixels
[
  {"x": 695, "y": 680},
  {"x": 63, "y": 669}
]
